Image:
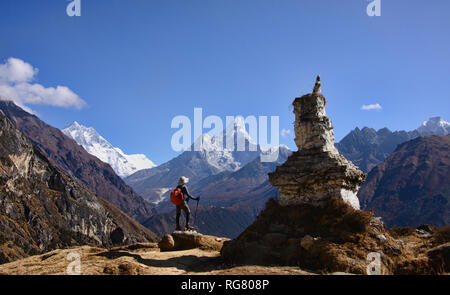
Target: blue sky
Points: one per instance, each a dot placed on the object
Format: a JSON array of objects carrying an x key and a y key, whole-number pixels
[{"x": 137, "y": 64}]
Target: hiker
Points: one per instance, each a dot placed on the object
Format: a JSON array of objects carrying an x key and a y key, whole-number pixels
[{"x": 179, "y": 197}]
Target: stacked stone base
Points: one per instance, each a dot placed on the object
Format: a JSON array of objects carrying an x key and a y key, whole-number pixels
[{"x": 315, "y": 176}]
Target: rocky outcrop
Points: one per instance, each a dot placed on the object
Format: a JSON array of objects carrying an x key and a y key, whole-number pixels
[
  {"x": 65, "y": 154},
  {"x": 329, "y": 238},
  {"x": 184, "y": 240},
  {"x": 43, "y": 209},
  {"x": 167, "y": 243},
  {"x": 316, "y": 172}
]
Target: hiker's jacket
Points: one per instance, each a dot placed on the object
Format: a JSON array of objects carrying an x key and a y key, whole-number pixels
[{"x": 186, "y": 194}]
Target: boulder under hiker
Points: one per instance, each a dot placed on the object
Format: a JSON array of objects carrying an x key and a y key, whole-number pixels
[{"x": 180, "y": 197}]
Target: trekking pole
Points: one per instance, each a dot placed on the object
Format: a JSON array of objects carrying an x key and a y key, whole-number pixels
[{"x": 195, "y": 214}]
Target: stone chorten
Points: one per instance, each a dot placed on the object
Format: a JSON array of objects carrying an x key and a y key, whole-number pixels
[{"x": 316, "y": 172}]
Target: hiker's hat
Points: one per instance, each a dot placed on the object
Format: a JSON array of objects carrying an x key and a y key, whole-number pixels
[{"x": 183, "y": 180}]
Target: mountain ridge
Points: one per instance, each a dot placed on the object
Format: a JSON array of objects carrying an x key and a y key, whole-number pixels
[
  {"x": 412, "y": 186},
  {"x": 74, "y": 161},
  {"x": 44, "y": 209},
  {"x": 368, "y": 147}
]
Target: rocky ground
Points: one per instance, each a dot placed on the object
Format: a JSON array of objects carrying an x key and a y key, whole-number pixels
[
  {"x": 425, "y": 250},
  {"x": 141, "y": 259}
]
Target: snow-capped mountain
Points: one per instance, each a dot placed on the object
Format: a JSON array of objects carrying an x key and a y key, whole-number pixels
[
  {"x": 98, "y": 146},
  {"x": 216, "y": 152},
  {"x": 208, "y": 156},
  {"x": 434, "y": 126}
]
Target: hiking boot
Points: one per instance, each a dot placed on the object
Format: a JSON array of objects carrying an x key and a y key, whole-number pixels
[
  {"x": 188, "y": 227},
  {"x": 177, "y": 228}
]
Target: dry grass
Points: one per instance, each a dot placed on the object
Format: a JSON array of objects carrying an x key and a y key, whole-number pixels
[
  {"x": 442, "y": 235},
  {"x": 139, "y": 260},
  {"x": 401, "y": 232}
]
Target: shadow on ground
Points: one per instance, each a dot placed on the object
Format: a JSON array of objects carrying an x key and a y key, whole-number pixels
[{"x": 188, "y": 263}]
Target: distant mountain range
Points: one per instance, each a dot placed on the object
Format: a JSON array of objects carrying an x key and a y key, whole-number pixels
[
  {"x": 210, "y": 159},
  {"x": 43, "y": 209},
  {"x": 233, "y": 185},
  {"x": 230, "y": 201},
  {"x": 367, "y": 147},
  {"x": 124, "y": 165},
  {"x": 246, "y": 186},
  {"x": 76, "y": 162},
  {"x": 241, "y": 190},
  {"x": 412, "y": 186}
]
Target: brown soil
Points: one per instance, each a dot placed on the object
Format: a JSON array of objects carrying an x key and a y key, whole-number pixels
[{"x": 139, "y": 259}]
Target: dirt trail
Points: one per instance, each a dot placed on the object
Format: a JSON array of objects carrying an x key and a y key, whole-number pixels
[{"x": 145, "y": 259}]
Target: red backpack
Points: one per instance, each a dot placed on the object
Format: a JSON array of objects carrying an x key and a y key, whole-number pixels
[{"x": 176, "y": 196}]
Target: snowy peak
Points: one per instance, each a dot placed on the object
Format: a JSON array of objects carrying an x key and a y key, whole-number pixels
[
  {"x": 234, "y": 133},
  {"x": 98, "y": 146},
  {"x": 230, "y": 150},
  {"x": 237, "y": 130},
  {"x": 436, "y": 126},
  {"x": 86, "y": 136}
]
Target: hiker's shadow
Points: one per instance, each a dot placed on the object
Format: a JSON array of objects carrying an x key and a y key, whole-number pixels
[{"x": 189, "y": 263}]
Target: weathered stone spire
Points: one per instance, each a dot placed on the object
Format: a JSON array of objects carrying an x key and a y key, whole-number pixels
[
  {"x": 312, "y": 127},
  {"x": 316, "y": 172}
]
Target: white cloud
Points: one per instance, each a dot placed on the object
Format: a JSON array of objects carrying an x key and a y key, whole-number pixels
[
  {"x": 285, "y": 132},
  {"x": 16, "y": 77},
  {"x": 16, "y": 70},
  {"x": 370, "y": 107}
]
